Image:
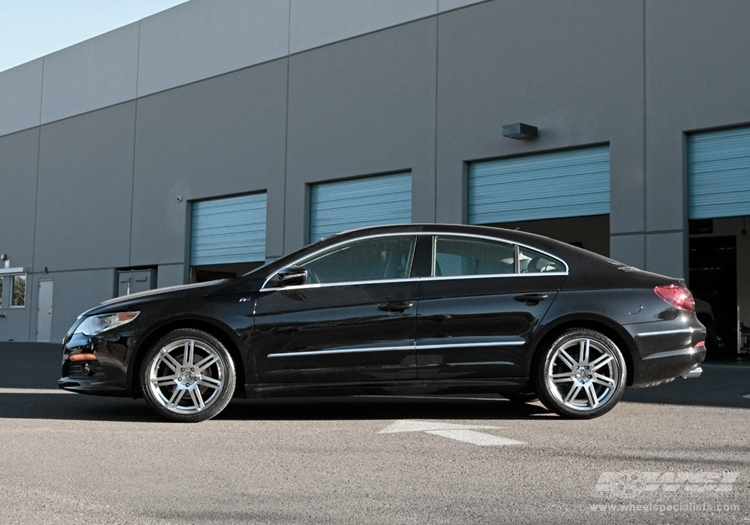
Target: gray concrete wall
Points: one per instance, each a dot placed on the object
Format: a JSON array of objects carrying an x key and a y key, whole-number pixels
[{"x": 206, "y": 100}]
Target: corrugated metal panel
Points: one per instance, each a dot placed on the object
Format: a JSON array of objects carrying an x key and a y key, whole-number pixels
[
  {"x": 719, "y": 174},
  {"x": 571, "y": 183},
  {"x": 229, "y": 230},
  {"x": 340, "y": 206}
]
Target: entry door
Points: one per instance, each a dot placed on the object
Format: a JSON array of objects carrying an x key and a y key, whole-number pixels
[
  {"x": 480, "y": 306},
  {"x": 353, "y": 321},
  {"x": 44, "y": 312}
]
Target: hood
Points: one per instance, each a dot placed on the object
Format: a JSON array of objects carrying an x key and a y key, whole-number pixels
[{"x": 184, "y": 289}]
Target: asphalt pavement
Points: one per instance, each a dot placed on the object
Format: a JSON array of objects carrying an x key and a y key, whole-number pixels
[{"x": 677, "y": 453}]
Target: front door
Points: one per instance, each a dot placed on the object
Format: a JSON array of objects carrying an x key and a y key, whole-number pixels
[{"x": 353, "y": 320}]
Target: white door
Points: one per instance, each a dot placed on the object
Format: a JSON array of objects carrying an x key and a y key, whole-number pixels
[{"x": 44, "y": 312}]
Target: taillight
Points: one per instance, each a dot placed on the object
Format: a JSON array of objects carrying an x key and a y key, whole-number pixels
[{"x": 677, "y": 296}]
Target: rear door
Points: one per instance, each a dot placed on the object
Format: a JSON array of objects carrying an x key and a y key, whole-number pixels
[{"x": 479, "y": 306}]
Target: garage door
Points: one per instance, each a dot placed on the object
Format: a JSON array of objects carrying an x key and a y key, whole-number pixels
[
  {"x": 719, "y": 174},
  {"x": 228, "y": 230},
  {"x": 345, "y": 205},
  {"x": 572, "y": 183}
]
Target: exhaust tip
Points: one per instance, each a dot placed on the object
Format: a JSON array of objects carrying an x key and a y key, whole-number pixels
[{"x": 693, "y": 373}]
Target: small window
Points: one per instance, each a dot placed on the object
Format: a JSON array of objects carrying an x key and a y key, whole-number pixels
[
  {"x": 19, "y": 290},
  {"x": 367, "y": 260},
  {"x": 531, "y": 261},
  {"x": 456, "y": 256},
  {"x": 1, "y": 292}
]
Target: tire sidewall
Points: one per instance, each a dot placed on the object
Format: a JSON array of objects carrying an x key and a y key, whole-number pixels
[
  {"x": 555, "y": 405},
  {"x": 229, "y": 371}
]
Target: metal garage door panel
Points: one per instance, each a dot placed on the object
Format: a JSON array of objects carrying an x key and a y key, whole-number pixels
[
  {"x": 229, "y": 230},
  {"x": 345, "y": 205},
  {"x": 571, "y": 183},
  {"x": 719, "y": 174}
]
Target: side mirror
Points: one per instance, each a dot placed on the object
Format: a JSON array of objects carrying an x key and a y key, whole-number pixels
[{"x": 290, "y": 276}]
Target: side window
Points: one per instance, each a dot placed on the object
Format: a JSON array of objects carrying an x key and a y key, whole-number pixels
[
  {"x": 531, "y": 261},
  {"x": 19, "y": 291},
  {"x": 13, "y": 291},
  {"x": 366, "y": 260},
  {"x": 456, "y": 256}
]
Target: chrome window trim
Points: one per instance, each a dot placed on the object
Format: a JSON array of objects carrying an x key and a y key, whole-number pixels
[
  {"x": 413, "y": 347},
  {"x": 434, "y": 235}
]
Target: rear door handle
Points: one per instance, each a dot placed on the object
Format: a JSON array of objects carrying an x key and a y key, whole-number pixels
[
  {"x": 395, "y": 306},
  {"x": 531, "y": 298}
]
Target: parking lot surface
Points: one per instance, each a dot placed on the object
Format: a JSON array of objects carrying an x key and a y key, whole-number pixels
[{"x": 678, "y": 453}]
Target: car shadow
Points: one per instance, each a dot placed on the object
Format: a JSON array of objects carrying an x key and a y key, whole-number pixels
[{"x": 67, "y": 406}]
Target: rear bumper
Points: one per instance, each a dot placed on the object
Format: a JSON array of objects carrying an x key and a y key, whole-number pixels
[{"x": 667, "y": 350}]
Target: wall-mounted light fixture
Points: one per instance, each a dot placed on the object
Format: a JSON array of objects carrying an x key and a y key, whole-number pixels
[{"x": 520, "y": 131}]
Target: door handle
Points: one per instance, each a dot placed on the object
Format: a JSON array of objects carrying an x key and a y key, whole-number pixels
[
  {"x": 531, "y": 299},
  {"x": 395, "y": 307}
]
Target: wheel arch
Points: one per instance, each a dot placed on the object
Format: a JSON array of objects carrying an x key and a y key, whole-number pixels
[
  {"x": 606, "y": 326},
  {"x": 163, "y": 329}
]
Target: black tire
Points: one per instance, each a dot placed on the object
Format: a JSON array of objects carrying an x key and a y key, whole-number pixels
[
  {"x": 581, "y": 375},
  {"x": 188, "y": 376}
]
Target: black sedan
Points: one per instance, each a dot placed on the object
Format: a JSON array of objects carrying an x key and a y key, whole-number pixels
[{"x": 412, "y": 309}]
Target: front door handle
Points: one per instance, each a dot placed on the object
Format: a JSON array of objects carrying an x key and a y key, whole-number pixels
[
  {"x": 395, "y": 306},
  {"x": 531, "y": 299}
]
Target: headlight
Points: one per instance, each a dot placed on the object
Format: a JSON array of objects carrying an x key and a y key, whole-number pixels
[{"x": 97, "y": 324}]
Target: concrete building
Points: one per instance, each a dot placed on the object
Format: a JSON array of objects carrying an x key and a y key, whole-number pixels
[{"x": 208, "y": 138}]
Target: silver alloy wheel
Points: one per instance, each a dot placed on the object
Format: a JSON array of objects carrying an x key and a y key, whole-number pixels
[
  {"x": 583, "y": 374},
  {"x": 187, "y": 376}
]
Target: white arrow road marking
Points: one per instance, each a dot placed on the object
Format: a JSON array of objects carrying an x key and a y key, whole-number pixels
[
  {"x": 747, "y": 396},
  {"x": 453, "y": 431},
  {"x": 33, "y": 391}
]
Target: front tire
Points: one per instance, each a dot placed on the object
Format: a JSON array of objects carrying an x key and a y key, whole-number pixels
[
  {"x": 581, "y": 375},
  {"x": 188, "y": 376}
]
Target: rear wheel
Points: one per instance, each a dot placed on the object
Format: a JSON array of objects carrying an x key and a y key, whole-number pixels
[
  {"x": 188, "y": 376},
  {"x": 581, "y": 375}
]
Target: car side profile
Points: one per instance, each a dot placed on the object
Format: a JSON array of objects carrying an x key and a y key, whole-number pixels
[{"x": 396, "y": 310}]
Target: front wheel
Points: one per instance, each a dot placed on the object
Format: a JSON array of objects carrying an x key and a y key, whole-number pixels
[
  {"x": 188, "y": 376},
  {"x": 581, "y": 375}
]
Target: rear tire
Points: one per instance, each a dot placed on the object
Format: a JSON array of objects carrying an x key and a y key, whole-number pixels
[
  {"x": 581, "y": 375},
  {"x": 188, "y": 376}
]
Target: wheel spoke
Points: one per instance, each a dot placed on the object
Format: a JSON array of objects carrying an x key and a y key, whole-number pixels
[
  {"x": 604, "y": 381},
  {"x": 195, "y": 395},
  {"x": 164, "y": 380},
  {"x": 209, "y": 382},
  {"x": 584, "y": 352},
  {"x": 567, "y": 359},
  {"x": 600, "y": 361},
  {"x": 176, "y": 397},
  {"x": 575, "y": 389},
  {"x": 591, "y": 394},
  {"x": 168, "y": 360},
  {"x": 187, "y": 358},
  {"x": 562, "y": 378},
  {"x": 205, "y": 363}
]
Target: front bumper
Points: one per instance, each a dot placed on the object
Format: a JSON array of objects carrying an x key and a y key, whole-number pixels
[{"x": 95, "y": 365}]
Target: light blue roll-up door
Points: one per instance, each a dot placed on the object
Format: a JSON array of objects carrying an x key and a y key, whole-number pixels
[
  {"x": 370, "y": 201},
  {"x": 572, "y": 183},
  {"x": 229, "y": 230},
  {"x": 719, "y": 174}
]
